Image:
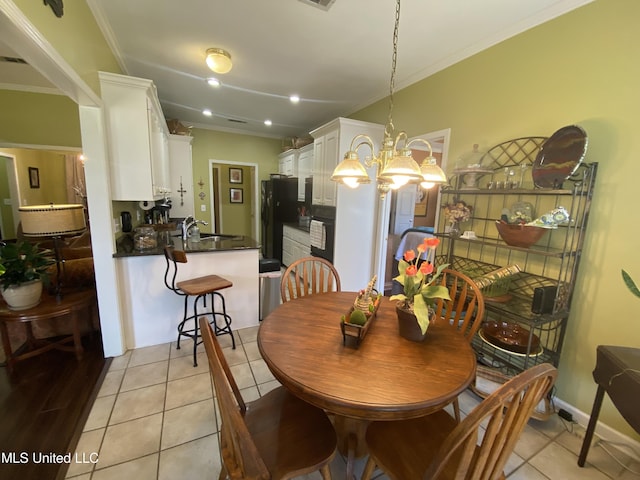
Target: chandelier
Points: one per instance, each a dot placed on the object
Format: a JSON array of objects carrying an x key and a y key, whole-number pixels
[{"x": 395, "y": 164}]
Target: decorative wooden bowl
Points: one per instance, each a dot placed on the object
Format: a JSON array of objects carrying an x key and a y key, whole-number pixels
[{"x": 519, "y": 235}]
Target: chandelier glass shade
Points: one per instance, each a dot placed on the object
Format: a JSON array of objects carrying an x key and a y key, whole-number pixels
[
  {"x": 219, "y": 60},
  {"x": 395, "y": 164}
]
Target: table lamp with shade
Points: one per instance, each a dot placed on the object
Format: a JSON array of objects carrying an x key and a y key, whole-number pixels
[{"x": 53, "y": 221}]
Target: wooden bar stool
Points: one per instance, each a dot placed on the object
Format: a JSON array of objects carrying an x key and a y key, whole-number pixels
[{"x": 199, "y": 288}]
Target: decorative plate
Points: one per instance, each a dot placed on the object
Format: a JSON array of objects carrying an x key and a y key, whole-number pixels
[
  {"x": 509, "y": 336},
  {"x": 559, "y": 157}
]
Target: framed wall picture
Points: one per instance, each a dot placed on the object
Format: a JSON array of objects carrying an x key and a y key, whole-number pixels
[
  {"x": 421, "y": 203},
  {"x": 34, "y": 177},
  {"x": 235, "y": 195},
  {"x": 235, "y": 175}
]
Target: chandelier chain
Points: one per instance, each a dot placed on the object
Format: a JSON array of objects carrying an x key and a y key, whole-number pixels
[{"x": 394, "y": 58}]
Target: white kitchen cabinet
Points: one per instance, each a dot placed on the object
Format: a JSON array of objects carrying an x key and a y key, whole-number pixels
[
  {"x": 305, "y": 168},
  {"x": 296, "y": 244},
  {"x": 181, "y": 176},
  {"x": 138, "y": 138},
  {"x": 325, "y": 159},
  {"x": 357, "y": 210},
  {"x": 287, "y": 163}
]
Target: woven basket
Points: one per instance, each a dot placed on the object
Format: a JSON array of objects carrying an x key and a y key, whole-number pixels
[{"x": 520, "y": 235}]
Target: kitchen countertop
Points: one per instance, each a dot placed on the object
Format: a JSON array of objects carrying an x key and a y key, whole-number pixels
[
  {"x": 207, "y": 243},
  {"x": 297, "y": 226}
]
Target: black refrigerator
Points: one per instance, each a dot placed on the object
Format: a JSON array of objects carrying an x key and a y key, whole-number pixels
[{"x": 279, "y": 206}]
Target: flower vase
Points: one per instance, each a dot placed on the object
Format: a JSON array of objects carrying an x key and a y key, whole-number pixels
[
  {"x": 408, "y": 325},
  {"x": 454, "y": 231}
]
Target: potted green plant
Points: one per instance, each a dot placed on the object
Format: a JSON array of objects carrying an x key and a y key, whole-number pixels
[
  {"x": 420, "y": 288},
  {"x": 23, "y": 269}
]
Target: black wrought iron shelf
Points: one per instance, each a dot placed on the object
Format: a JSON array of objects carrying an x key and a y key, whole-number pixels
[
  {"x": 494, "y": 242},
  {"x": 552, "y": 262}
]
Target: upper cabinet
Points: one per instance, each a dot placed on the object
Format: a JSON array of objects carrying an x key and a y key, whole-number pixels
[
  {"x": 325, "y": 159},
  {"x": 138, "y": 138},
  {"x": 305, "y": 168},
  {"x": 287, "y": 163}
]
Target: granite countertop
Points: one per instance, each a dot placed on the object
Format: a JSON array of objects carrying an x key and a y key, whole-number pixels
[
  {"x": 125, "y": 246},
  {"x": 304, "y": 228}
]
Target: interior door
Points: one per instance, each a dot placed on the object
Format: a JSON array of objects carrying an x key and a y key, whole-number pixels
[{"x": 405, "y": 204}]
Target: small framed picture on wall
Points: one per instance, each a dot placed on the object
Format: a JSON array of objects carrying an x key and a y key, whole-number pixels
[
  {"x": 235, "y": 195},
  {"x": 421, "y": 203},
  {"x": 235, "y": 175},
  {"x": 34, "y": 177}
]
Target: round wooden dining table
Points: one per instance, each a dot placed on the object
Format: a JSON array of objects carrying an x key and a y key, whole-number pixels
[{"x": 385, "y": 377}]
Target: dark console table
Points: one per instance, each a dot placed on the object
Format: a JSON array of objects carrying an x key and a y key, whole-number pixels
[{"x": 617, "y": 372}]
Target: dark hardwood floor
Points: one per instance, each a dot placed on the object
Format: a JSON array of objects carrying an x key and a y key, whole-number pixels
[{"x": 44, "y": 407}]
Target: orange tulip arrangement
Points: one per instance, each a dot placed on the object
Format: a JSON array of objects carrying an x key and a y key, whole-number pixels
[{"x": 418, "y": 280}]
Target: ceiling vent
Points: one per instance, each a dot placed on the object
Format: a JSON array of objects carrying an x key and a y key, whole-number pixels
[
  {"x": 233, "y": 120},
  {"x": 323, "y": 4},
  {"x": 13, "y": 60}
]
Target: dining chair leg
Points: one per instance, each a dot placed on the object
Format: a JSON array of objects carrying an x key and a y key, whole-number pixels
[
  {"x": 325, "y": 472},
  {"x": 368, "y": 469},
  {"x": 223, "y": 473},
  {"x": 456, "y": 409}
]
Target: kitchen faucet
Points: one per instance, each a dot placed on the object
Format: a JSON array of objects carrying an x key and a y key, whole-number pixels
[{"x": 189, "y": 222}]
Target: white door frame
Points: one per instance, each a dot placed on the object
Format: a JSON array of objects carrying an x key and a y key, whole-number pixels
[{"x": 255, "y": 206}]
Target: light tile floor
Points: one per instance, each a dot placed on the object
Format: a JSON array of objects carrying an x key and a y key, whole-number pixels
[{"x": 155, "y": 418}]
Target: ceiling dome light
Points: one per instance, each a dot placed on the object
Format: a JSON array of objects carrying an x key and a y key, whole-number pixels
[
  {"x": 294, "y": 98},
  {"x": 268, "y": 122},
  {"x": 214, "y": 82},
  {"x": 207, "y": 113},
  {"x": 219, "y": 60}
]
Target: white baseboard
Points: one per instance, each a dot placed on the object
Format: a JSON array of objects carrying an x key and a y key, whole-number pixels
[{"x": 603, "y": 431}]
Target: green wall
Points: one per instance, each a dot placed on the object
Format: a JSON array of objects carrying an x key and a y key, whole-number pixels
[
  {"x": 75, "y": 36},
  {"x": 38, "y": 119},
  {"x": 230, "y": 147},
  {"x": 580, "y": 68},
  {"x": 51, "y": 171}
]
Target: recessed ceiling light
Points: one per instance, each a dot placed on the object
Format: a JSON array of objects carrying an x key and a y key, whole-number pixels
[
  {"x": 294, "y": 98},
  {"x": 206, "y": 112},
  {"x": 214, "y": 82},
  {"x": 268, "y": 122}
]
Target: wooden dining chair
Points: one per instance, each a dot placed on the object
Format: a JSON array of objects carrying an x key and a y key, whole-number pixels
[
  {"x": 277, "y": 436},
  {"x": 436, "y": 447},
  {"x": 465, "y": 310},
  {"x": 308, "y": 276}
]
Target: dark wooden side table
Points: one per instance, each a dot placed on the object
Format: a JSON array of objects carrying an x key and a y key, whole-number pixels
[
  {"x": 49, "y": 308},
  {"x": 617, "y": 372}
]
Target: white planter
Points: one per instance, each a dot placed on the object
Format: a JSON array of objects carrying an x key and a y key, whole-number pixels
[{"x": 23, "y": 296}]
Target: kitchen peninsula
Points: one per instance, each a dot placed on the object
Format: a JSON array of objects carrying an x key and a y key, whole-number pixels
[{"x": 151, "y": 312}]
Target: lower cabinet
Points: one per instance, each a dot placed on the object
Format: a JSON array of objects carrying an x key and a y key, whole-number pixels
[{"x": 296, "y": 244}]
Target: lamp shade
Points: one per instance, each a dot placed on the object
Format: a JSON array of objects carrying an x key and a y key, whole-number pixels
[
  {"x": 431, "y": 172},
  {"x": 219, "y": 60},
  {"x": 51, "y": 220},
  {"x": 350, "y": 171},
  {"x": 402, "y": 169}
]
